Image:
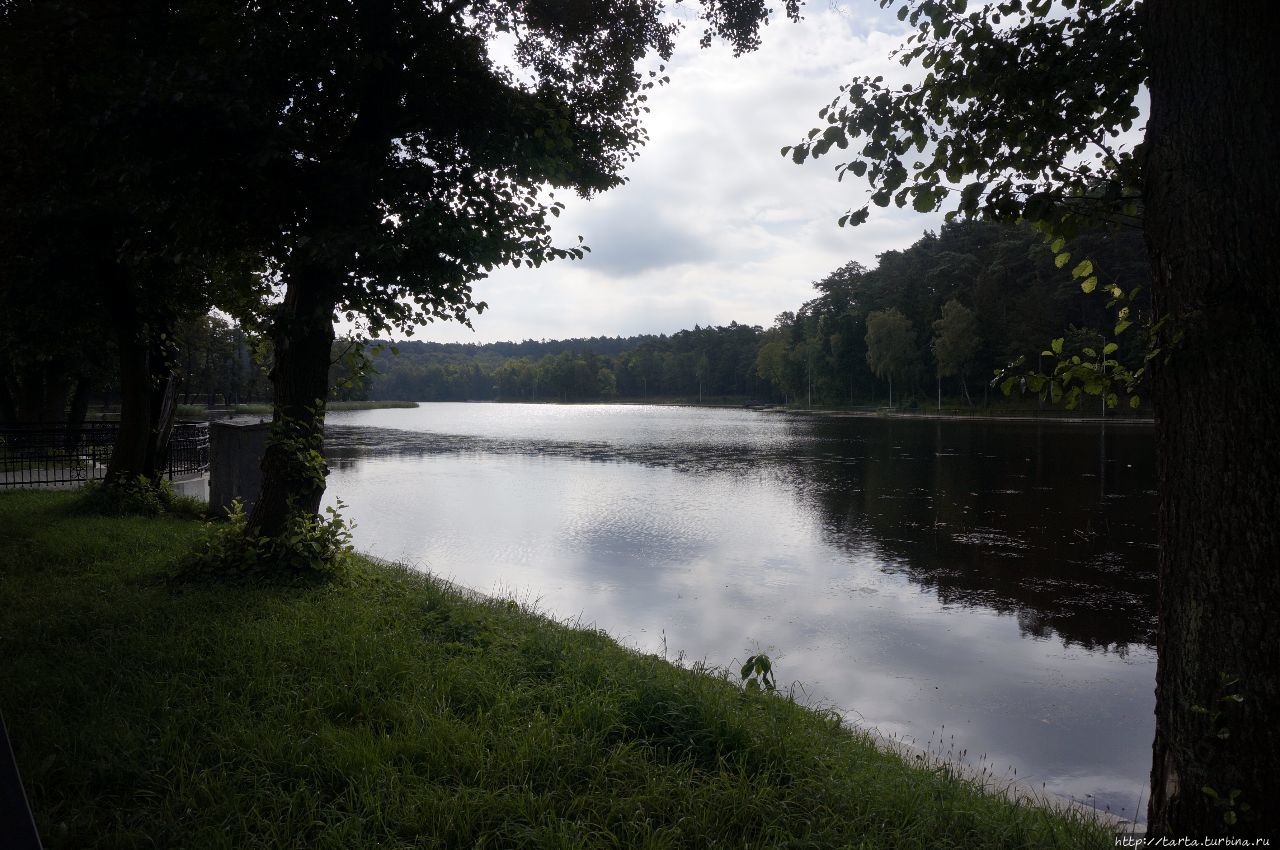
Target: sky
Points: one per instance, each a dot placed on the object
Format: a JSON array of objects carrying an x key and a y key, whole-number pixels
[{"x": 714, "y": 225}]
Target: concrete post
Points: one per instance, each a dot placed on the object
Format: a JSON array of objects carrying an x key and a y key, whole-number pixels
[{"x": 235, "y": 461}]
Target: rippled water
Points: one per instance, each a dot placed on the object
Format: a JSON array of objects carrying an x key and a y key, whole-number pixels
[{"x": 978, "y": 587}]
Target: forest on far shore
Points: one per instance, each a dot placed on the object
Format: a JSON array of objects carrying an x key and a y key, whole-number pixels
[
  {"x": 1013, "y": 300},
  {"x": 947, "y": 312}
]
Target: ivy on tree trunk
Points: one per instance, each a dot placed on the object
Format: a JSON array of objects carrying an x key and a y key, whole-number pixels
[{"x": 293, "y": 467}]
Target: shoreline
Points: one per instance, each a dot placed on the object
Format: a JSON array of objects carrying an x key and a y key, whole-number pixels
[
  {"x": 963, "y": 417},
  {"x": 948, "y": 415},
  {"x": 1003, "y": 785}
]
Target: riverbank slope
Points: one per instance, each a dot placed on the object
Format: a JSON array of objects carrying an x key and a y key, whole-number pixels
[{"x": 392, "y": 711}]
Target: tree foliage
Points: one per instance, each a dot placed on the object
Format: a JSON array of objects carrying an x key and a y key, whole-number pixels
[
  {"x": 1019, "y": 114},
  {"x": 892, "y": 350},
  {"x": 956, "y": 341}
]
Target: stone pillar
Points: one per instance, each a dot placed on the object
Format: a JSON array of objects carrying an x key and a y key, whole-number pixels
[{"x": 235, "y": 463}]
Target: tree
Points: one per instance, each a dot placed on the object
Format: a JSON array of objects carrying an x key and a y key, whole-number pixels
[
  {"x": 771, "y": 361},
  {"x": 891, "y": 346},
  {"x": 1019, "y": 116},
  {"x": 120, "y": 194},
  {"x": 955, "y": 344},
  {"x": 403, "y": 160}
]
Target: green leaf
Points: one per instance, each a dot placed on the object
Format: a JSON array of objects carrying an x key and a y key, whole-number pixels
[
  {"x": 1056, "y": 345},
  {"x": 1062, "y": 259},
  {"x": 1083, "y": 269},
  {"x": 1057, "y": 245},
  {"x": 1109, "y": 348},
  {"x": 1089, "y": 284},
  {"x": 1122, "y": 325},
  {"x": 1134, "y": 401}
]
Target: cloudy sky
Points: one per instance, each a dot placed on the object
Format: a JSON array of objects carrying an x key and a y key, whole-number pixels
[{"x": 714, "y": 225}]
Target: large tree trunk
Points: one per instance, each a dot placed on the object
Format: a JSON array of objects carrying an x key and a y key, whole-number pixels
[
  {"x": 8, "y": 407},
  {"x": 30, "y": 392},
  {"x": 1212, "y": 195},
  {"x": 293, "y": 467},
  {"x": 57, "y": 389},
  {"x": 148, "y": 395}
]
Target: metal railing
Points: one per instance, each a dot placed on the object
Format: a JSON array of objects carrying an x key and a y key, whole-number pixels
[
  {"x": 60, "y": 454},
  {"x": 188, "y": 449}
]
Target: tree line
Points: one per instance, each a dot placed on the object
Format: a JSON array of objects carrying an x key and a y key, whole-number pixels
[{"x": 935, "y": 321}]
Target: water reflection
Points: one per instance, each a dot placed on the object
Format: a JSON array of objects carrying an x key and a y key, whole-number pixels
[
  {"x": 994, "y": 579},
  {"x": 1032, "y": 520}
]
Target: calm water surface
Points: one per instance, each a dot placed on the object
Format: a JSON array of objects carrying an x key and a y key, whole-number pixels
[{"x": 975, "y": 587}]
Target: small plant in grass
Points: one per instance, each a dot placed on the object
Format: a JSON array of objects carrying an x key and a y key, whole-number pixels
[
  {"x": 138, "y": 497},
  {"x": 312, "y": 546},
  {"x": 757, "y": 674}
]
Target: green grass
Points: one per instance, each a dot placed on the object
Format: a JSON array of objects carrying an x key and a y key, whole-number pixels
[{"x": 393, "y": 712}]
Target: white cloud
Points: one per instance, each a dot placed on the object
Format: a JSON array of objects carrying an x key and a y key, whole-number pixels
[{"x": 714, "y": 224}]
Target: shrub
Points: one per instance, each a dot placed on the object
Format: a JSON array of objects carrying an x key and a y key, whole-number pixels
[
  {"x": 137, "y": 497},
  {"x": 311, "y": 547}
]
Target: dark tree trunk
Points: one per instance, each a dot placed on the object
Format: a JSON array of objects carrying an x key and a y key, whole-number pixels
[
  {"x": 80, "y": 402},
  {"x": 8, "y": 409},
  {"x": 30, "y": 392},
  {"x": 77, "y": 413},
  {"x": 1212, "y": 196},
  {"x": 148, "y": 394},
  {"x": 303, "y": 336},
  {"x": 57, "y": 389}
]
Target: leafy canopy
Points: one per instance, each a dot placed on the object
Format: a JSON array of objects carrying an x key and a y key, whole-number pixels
[
  {"x": 410, "y": 148},
  {"x": 1018, "y": 116}
]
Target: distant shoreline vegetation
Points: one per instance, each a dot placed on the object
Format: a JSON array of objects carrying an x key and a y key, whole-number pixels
[
  {"x": 964, "y": 303},
  {"x": 1001, "y": 411},
  {"x": 948, "y": 312}
]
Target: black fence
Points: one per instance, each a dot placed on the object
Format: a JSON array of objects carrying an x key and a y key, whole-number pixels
[{"x": 58, "y": 454}]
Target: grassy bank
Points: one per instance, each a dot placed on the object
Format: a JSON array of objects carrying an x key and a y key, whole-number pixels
[{"x": 392, "y": 712}]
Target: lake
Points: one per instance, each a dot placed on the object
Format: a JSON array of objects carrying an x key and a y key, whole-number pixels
[{"x": 982, "y": 589}]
